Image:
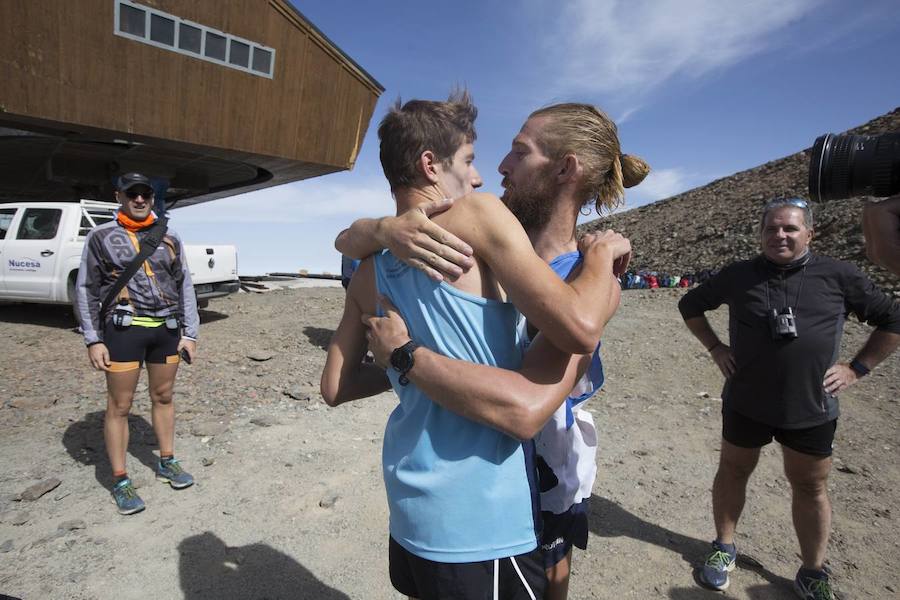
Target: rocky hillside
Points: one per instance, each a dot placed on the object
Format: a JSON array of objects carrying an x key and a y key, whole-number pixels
[{"x": 711, "y": 226}]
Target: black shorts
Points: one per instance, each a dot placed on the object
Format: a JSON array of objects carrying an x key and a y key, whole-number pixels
[
  {"x": 563, "y": 531},
  {"x": 519, "y": 577},
  {"x": 130, "y": 347},
  {"x": 747, "y": 433}
]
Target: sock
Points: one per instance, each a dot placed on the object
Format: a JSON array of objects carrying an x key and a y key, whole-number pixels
[
  {"x": 166, "y": 458},
  {"x": 729, "y": 548},
  {"x": 813, "y": 573},
  {"x": 118, "y": 477}
]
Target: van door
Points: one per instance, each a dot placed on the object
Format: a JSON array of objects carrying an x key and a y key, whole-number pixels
[
  {"x": 6, "y": 219},
  {"x": 31, "y": 257}
]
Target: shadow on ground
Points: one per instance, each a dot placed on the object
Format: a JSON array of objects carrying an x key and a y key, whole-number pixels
[
  {"x": 318, "y": 336},
  {"x": 83, "y": 441},
  {"x": 59, "y": 316},
  {"x": 211, "y": 570},
  {"x": 608, "y": 519},
  {"x": 210, "y": 316}
]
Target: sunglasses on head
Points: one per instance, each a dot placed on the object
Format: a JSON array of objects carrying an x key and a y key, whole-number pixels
[
  {"x": 798, "y": 202},
  {"x": 132, "y": 195}
]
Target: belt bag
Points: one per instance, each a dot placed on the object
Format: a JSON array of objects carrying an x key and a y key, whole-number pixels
[{"x": 149, "y": 245}]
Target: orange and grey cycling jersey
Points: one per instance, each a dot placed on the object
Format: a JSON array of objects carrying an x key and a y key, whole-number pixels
[{"x": 160, "y": 288}]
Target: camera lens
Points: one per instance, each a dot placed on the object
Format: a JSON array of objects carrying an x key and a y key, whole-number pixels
[{"x": 845, "y": 166}]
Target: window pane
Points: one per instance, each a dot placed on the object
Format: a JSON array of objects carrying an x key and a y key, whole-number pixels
[
  {"x": 162, "y": 30},
  {"x": 132, "y": 20},
  {"x": 215, "y": 45},
  {"x": 262, "y": 60},
  {"x": 189, "y": 38},
  {"x": 6, "y": 217},
  {"x": 240, "y": 53},
  {"x": 39, "y": 224}
]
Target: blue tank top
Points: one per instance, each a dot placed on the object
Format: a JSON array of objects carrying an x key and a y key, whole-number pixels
[{"x": 457, "y": 491}]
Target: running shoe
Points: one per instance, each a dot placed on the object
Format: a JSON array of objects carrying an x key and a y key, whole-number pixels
[
  {"x": 171, "y": 472},
  {"x": 813, "y": 585},
  {"x": 719, "y": 563},
  {"x": 127, "y": 498}
]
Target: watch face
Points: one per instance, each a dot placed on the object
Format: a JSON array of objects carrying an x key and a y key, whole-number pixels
[{"x": 401, "y": 359}]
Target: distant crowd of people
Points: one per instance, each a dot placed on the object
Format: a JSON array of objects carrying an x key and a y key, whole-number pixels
[{"x": 644, "y": 279}]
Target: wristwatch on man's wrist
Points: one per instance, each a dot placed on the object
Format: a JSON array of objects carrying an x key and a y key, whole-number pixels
[{"x": 402, "y": 360}]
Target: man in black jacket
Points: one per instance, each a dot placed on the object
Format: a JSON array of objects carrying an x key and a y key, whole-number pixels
[{"x": 786, "y": 314}]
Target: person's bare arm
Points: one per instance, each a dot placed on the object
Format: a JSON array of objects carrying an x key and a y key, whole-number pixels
[
  {"x": 346, "y": 377},
  {"x": 518, "y": 403},
  {"x": 721, "y": 353},
  {"x": 878, "y": 347},
  {"x": 571, "y": 314},
  {"x": 413, "y": 238},
  {"x": 881, "y": 228}
]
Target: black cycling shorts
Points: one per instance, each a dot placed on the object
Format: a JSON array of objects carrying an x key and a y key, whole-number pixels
[
  {"x": 519, "y": 577},
  {"x": 747, "y": 433},
  {"x": 130, "y": 347}
]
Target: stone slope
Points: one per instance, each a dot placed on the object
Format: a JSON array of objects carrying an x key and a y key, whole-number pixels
[{"x": 713, "y": 225}]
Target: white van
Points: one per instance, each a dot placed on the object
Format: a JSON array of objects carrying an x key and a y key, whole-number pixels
[{"x": 41, "y": 244}]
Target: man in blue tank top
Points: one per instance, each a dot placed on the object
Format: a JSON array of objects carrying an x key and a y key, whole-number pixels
[
  {"x": 462, "y": 495},
  {"x": 566, "y": 156}
]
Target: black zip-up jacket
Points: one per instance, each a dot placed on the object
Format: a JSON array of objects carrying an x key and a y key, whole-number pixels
[{"x": 779, "y": 382}]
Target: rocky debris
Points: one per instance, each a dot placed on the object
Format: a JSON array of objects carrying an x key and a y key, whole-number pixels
[
  {"x": 207, "y": 462},
  {"x": 298, "y": 393},
  {"x": 264, "y": 421},
  {"x": 32, "y": 403},
  {"x": 329, "y": 500},
  {"x": 209, "y": 428},
  {"x": 15, "y": 517},
  {"x": 72, "y": 525},
  {"x": 260, "y": 356},
  {"x": 711, "y": 226},
  {"x": 39, "y": 489}
]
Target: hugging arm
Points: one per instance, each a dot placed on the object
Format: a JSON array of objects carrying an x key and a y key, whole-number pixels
[
  {"x": 413, "y": 238},
  {"x": 518, "y": 403},
  {"x": 572, "y": 315},
  {"x": 346, "y": 377}
]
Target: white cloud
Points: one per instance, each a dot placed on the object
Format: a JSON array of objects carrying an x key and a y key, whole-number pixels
[
  {"x": 329, "y": 197},
  {"x": 626, "y": 48}
]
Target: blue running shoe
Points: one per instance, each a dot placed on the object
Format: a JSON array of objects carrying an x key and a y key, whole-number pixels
[
  {"x": 171, "y": 472},
  {"x": 813, "y": 585},
  {"x": 127, "y": 498},
  {"x": 719, "y": 563}
]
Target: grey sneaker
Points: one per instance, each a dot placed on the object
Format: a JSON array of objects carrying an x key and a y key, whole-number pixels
[
  {"x": 171, "y": 472},
  {"x": 127, "y": 498},
  {"x": 719, "y": 563},
  {"x": 813, "y": 585}
]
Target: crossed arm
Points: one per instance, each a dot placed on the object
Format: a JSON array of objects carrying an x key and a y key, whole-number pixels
[
  {"x": 518, "y": 403},
  {"x": 571, "y": 314}
]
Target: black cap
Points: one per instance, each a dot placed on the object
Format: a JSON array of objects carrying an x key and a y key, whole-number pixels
[{"x": 129, "y": 180}]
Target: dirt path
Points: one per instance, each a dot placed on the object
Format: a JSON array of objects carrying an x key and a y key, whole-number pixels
[{"x": 289, "y": 501}]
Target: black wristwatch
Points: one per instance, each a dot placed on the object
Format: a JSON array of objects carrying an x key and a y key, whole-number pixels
[{"x": 402, "y": 360}]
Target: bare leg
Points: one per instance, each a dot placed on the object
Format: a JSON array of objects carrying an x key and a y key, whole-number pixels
[
  {"x": 161, "y": 383},
  {"x": 558, "y": 579},
  {"x": 119, "y": 395},
  {"x": 810, "y": 506},
  {"x": 736, "y": 464}
]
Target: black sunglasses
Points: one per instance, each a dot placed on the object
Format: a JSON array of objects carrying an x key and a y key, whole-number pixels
[{"x": 133, "y": 195}]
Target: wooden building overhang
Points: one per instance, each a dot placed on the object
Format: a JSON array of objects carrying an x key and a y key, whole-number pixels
[{"x": 217, "y": 98}]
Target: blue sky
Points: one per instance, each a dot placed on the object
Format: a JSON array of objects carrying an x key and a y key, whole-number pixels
[{"x": 699, "y": 88}]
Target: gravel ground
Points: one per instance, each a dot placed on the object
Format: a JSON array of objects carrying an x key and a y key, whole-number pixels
[{"x": 289, "y": 501}]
